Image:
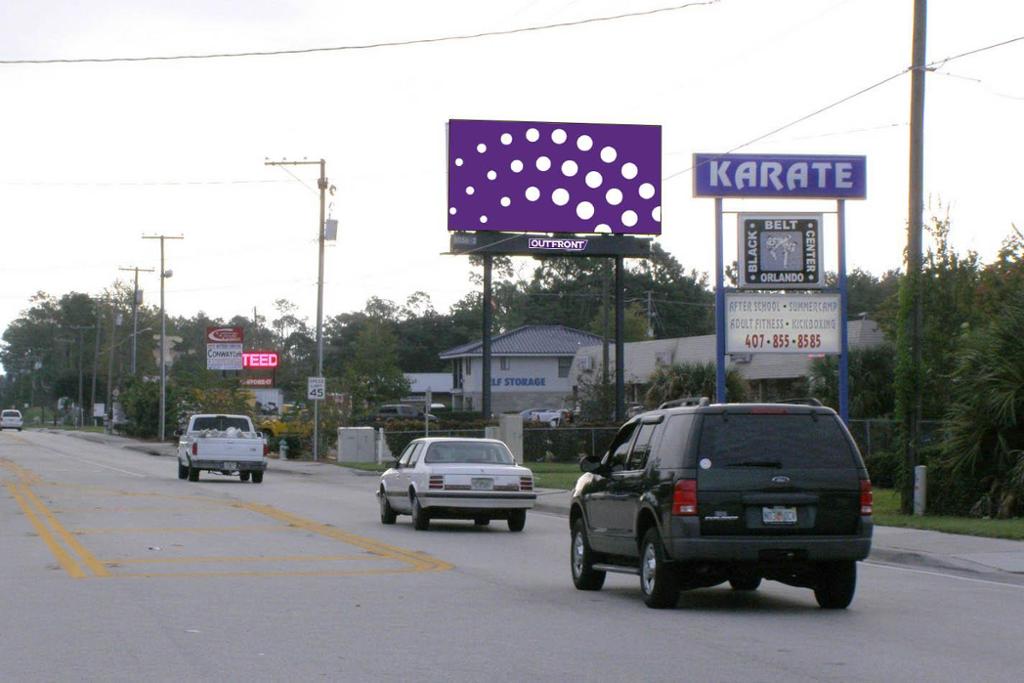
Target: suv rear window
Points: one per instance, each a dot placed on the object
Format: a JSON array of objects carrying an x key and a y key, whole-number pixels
[{"x": 787, "y": 441}]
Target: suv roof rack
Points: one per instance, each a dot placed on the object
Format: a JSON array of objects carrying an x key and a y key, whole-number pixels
[
  {"x": 686, "y": 401},
  {"x": 809, "y": 401}
]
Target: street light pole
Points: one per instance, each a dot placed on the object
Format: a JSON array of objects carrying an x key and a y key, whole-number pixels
[
  {"x": 79, "y": 417},
  {"x": 164, "y": 274},
  {"x": 322, "y": 185},
  {"x": 135, "y": 310}
]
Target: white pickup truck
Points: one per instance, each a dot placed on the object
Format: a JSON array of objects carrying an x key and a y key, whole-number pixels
[{"x": 228, "y": 444}]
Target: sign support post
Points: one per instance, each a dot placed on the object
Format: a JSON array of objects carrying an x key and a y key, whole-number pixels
[
  {"x": 720, "y": 395},
  {"x": 844, "y": 354}
]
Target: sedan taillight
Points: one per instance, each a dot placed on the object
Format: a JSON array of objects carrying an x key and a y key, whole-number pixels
[
  {"x": 867, "y": 498},
  {"x": 684, "y": 498},
  {"x": 525, "y": 483},
  {"x": 436, "y": 481}
]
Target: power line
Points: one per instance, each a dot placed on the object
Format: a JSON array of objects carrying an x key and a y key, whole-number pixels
[
  {"x": 365, "y": 46},
  {"x": 931, "y": 66},
  {"x": 136, "y": 183}
]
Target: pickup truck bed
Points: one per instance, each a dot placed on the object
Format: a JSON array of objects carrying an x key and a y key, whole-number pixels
[{"x": 228, "y": 444}]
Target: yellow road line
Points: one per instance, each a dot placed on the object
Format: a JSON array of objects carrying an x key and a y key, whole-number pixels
[
  {"x": 228, "y": 575},
  {"x": 271, "y": 558},
  {"x": 63, "y": 557},
  {"x": 190, "y": 530},
  {"x": 419, "y": 561},
  {"x": 90, "y": 561}
]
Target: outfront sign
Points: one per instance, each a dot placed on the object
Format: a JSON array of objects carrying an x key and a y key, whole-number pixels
[
  {"x": 531, "y": 245},
  {"x": 779, "y": 251},
  {"x": 780, "y": 175},
  {"x": 800, "y": 323},
  {"x": 225, "y": 335},
  {"x": 523, "y": 176},
  {"x": 223, "y": 356}
]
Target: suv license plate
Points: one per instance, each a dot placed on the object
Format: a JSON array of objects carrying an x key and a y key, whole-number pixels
[
  {"x": 482, "y": 484},
  {"x": 778, "y": 515}
]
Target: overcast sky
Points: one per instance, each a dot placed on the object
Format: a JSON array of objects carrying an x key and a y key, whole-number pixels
[{"x": 94, "y": 155}]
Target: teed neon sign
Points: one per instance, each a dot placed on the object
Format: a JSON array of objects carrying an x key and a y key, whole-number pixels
[{"x": 259, "y": 359}]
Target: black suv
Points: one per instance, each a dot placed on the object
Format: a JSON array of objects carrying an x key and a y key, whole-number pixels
[{"x": 695, "y": 496}]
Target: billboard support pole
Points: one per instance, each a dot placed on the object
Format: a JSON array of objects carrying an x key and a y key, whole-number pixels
[
  {"x": 844, "y": 349},
  {"x": 620, "y": 337},
  {"x": 485, "y": 375},
  {"x": 720, "y": 395}
]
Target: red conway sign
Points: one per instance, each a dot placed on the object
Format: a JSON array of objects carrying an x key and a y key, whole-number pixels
[
  {"x": 225, "y": 335},
  {"x": 259, "y": 359}
]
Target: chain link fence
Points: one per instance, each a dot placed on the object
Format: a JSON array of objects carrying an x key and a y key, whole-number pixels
[{"x": 882, "y": 436}]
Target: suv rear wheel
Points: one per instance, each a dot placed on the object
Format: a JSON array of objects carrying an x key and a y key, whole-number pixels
[
  {"x": 581, "y": 560},
  {"x": 745, "y": 583},
  {"x": 837, "y": 582},
  {"x": 657, "y": 579}
]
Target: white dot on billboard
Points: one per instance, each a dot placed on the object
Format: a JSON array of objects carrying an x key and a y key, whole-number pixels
[
  {"x": 629, "y": 170},
  {"x": 506, "y": 138},
  {"x": 585, "y": 210},
  {"x": 646, "y": 191},
  {"x": 613, "y": 196},
  {"x": 533, "y": 135},
  {"x": 453, "y": 210},
  {"x": 656, "y": 214},
  {"x": 483, "y": 219},
  {"x": 458, "y": 162},
  {"x": 584, "y": 143},
  {"x": 481, "y": 148},
  {"x": 470, "y": 189},
  {"x": 532, "y": 193},
  {"x": 505, "y": 201},
  {"x": 543, "y": 163},
  {"x": 629, "y": 218},
  {"x": 569, "y": 168},
  {"x": 560, "y": 196},
  {"x": 603, "y": 228},
  {"x": 594, "y": 180},
  {"x": 608, "y": 155},
  {"x": 516, "y": 165},
  {"x": 491, "y": 175},
  {"x": 558, "y": 136}
]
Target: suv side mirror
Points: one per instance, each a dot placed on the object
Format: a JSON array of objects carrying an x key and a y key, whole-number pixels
[{"x": 591, "y": 463}]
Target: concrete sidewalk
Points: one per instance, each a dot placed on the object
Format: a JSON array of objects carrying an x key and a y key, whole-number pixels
[{"x": 929, "y": 549}]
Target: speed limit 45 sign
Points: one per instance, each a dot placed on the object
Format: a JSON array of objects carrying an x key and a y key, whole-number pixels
[{"x": 316, "y": 388}]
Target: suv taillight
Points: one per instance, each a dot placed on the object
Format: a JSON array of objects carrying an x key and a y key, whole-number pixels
[
  {"x": 867, "y": 499},
  {"x": 684, "y": 497},
  {"x": 436, "y": 481}
]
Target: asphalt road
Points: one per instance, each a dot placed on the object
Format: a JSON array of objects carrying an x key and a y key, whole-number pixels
[{"x": 111, "y": 569}]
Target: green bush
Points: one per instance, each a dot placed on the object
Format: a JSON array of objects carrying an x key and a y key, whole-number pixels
[{"x": 884, "y": 468}]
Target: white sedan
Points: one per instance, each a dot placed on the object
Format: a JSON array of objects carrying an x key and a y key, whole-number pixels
[{"x": 452, "y": 478}]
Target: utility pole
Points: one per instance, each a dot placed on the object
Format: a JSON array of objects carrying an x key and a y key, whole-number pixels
[
  {"x": 322, "y": 185},
  {"x": 164, "y": 274},
  {"x": 79, "y": 417},
  {"x": 650, "y": 316},
  {"x": 115, "y": 320},
  {"x": 913, "y": 322},
  {"x": 95, "y": 358},
  {"x": 135, "y": 310}
]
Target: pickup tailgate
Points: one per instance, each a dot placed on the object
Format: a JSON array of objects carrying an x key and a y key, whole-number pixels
[{"x": 227, "y": 449}]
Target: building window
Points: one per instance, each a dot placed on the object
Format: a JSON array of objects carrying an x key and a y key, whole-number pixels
[
  {"x": 564, "y": 364},
  {"x": 506, "y": 363},
  {"x": 469, "y": 366}
]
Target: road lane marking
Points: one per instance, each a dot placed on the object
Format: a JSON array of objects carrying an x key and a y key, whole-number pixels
[
  {"x": 90, "y": 561},
  {"x": 883, "y": 565},
  {"x": 259, "y": 574},
  {"x": 108, "y": 467},
  {"x": 420, "y": 561},
  {"x": 184, "y": 529},
  {"x": 63, "y": 557},
  {"x": 230, "y": 560}
]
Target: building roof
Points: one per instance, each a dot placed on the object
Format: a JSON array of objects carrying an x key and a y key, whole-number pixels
[
  {"x": 529, "y": 340},
  {"x": 644, "y": 358}
]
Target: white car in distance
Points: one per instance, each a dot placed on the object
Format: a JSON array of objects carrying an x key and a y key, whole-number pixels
[{"x": 456, "y": 478}]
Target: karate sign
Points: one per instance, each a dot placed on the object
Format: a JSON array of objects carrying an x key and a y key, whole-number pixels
[{"x": 780, "y": 251}]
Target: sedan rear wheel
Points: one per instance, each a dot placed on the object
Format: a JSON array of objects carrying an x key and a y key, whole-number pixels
[
  {"x": 745, "y": 583},
  {"x": 516, "y": 520},
  {"x": 420, "y": 517}
]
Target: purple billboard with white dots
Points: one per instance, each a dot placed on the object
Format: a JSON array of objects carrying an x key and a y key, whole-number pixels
[{"x": 523, "y": 176}]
